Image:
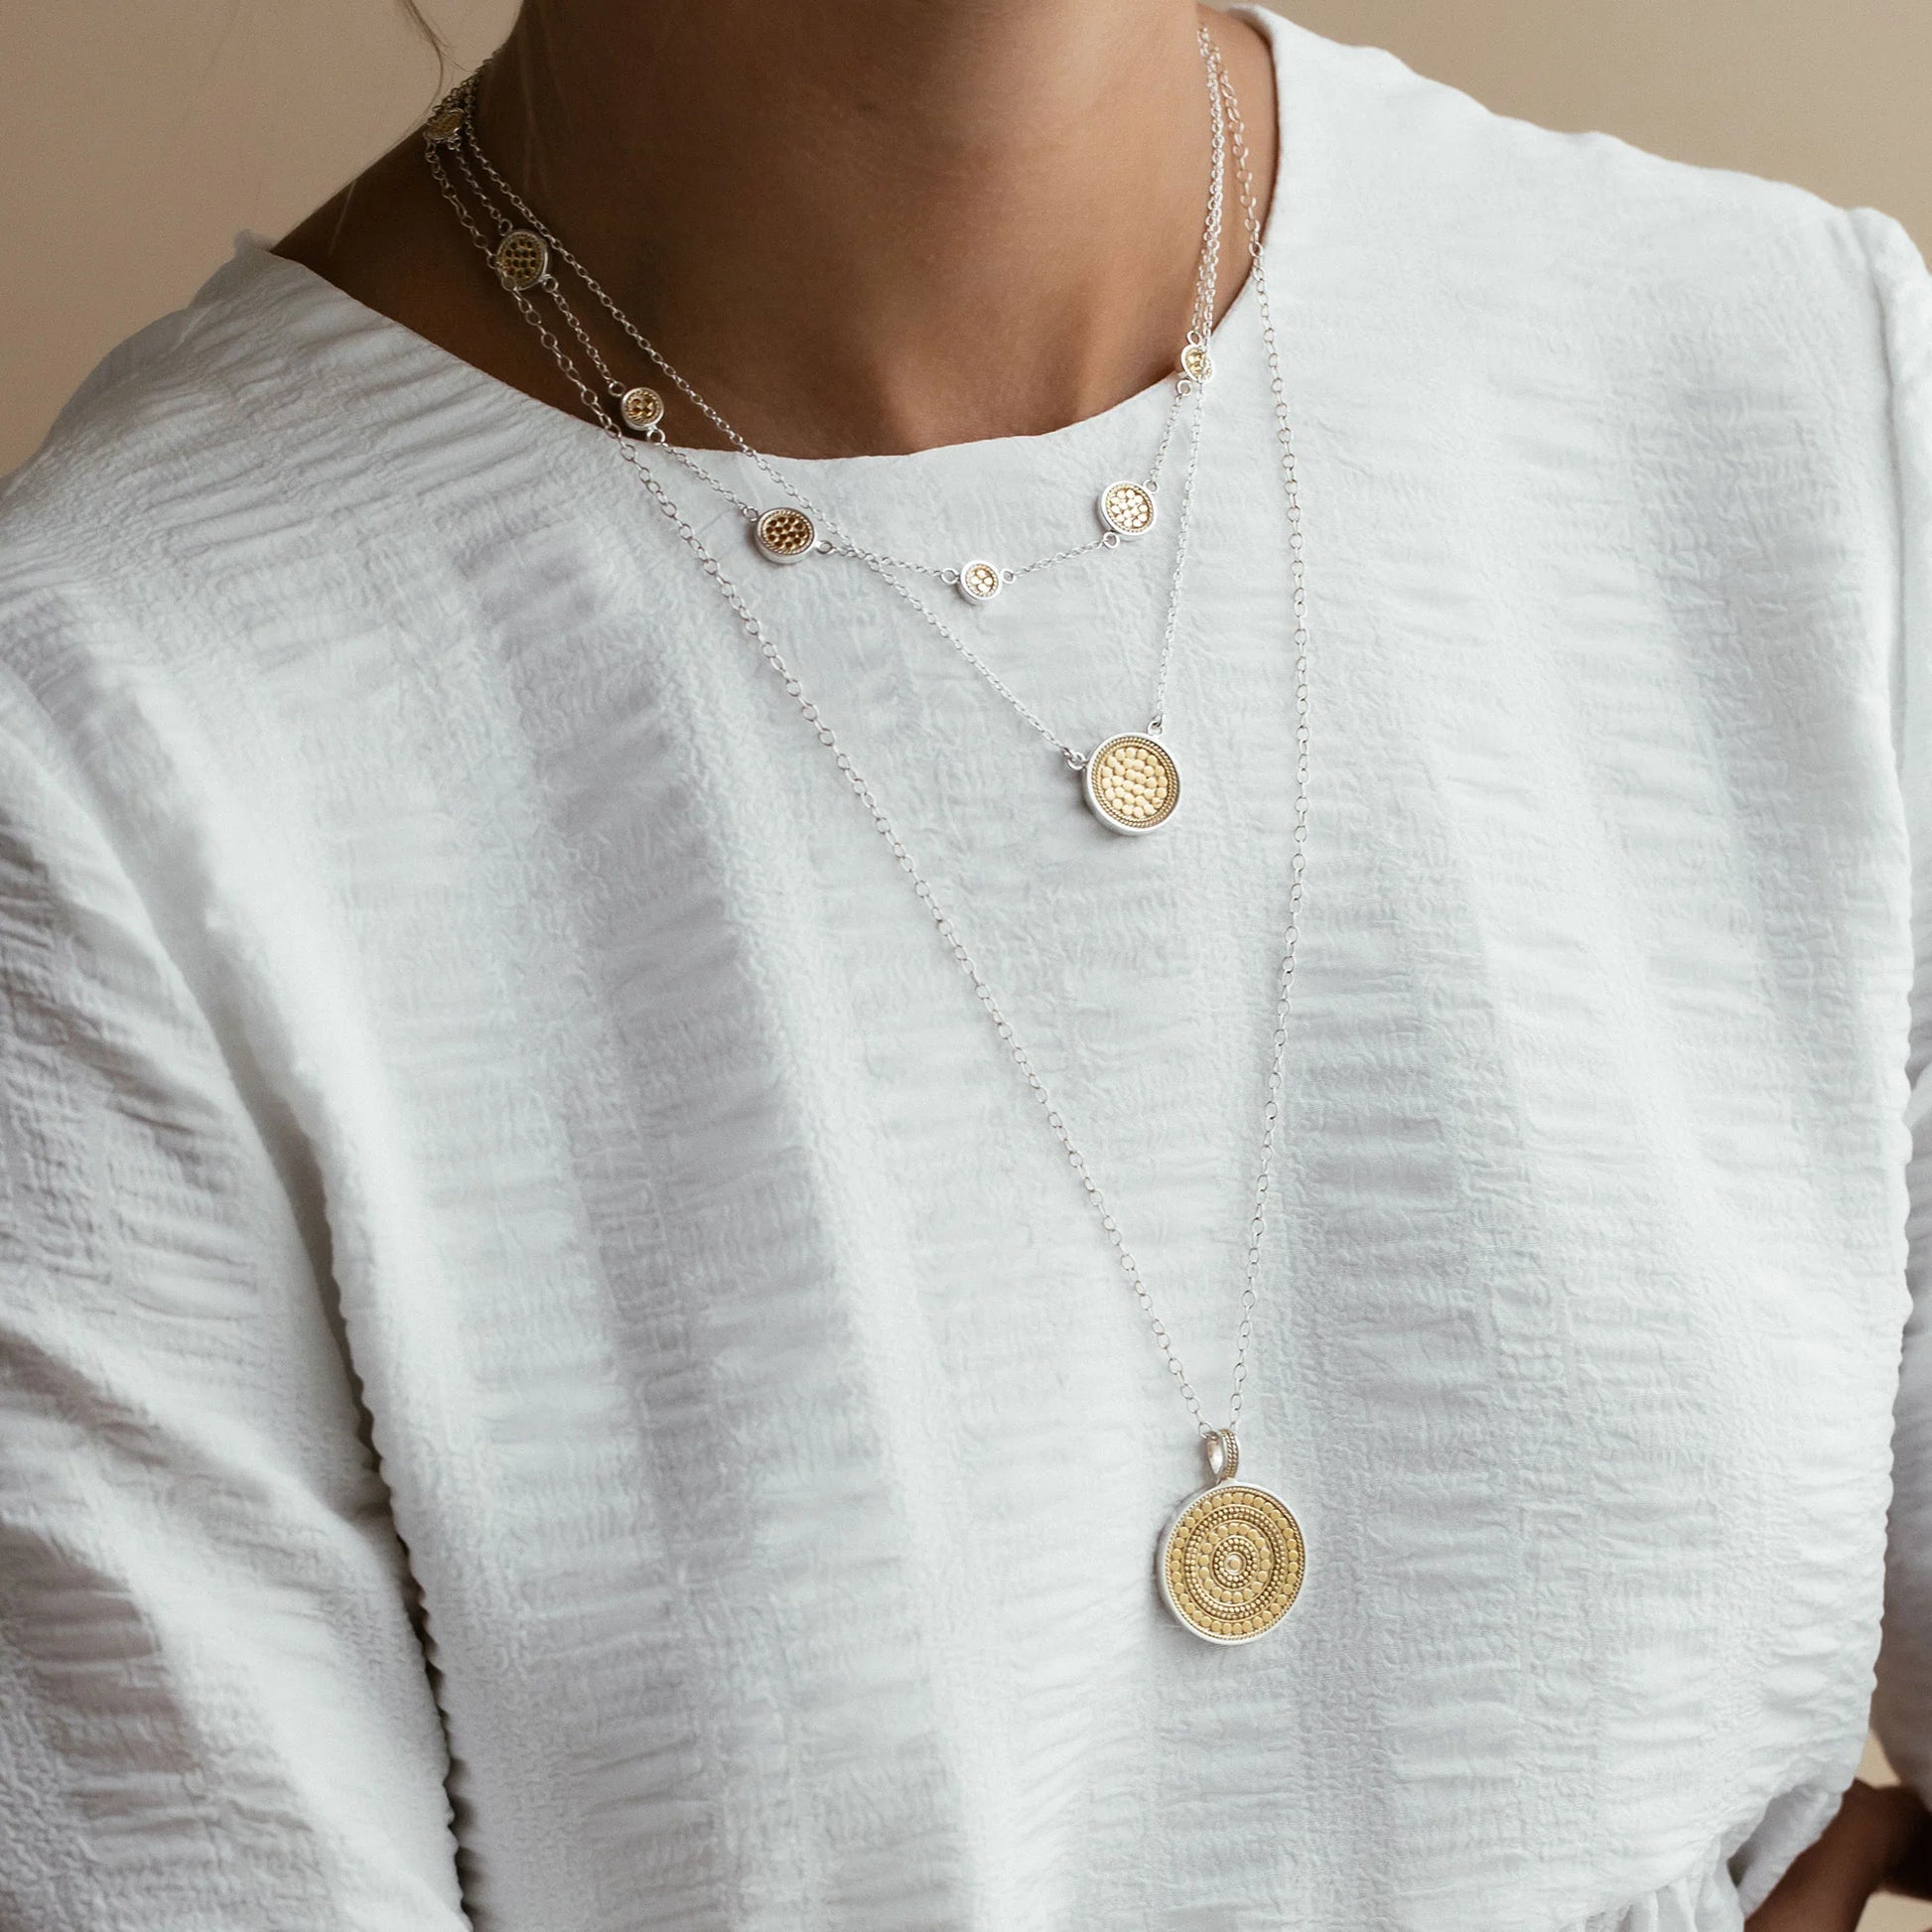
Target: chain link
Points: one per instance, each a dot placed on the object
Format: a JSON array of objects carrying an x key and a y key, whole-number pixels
[{"x": 628, "y": 446}]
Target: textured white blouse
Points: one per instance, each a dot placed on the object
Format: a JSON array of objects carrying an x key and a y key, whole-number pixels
[{"x": 555, "y": 1377}]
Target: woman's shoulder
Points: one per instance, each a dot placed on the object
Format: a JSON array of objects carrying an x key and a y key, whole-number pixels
[
  {"x": 190, "y": 449},
  {"x": 270, "y": 464},
  {"x": 1463, "y": 193}
]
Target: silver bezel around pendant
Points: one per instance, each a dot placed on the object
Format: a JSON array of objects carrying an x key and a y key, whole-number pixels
[
  {"x": 521, "y": 259},
  {"x": 1129, "y": 828},
  {"x": 980, "y": 582},
  {"x": 445, "y": 125},
  {"x": 1127, "y": 509},
  {"x": 786, "y": 534},
  {"x": 642, "y": 408},
  {"x": 1225, "y": 1489}
]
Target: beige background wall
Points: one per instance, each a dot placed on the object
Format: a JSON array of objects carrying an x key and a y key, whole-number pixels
[{"x": 136, "y": 139}]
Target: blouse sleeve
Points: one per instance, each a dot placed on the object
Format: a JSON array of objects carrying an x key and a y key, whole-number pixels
[
  {"x": 1902, "y": 1707},
  {"x": 215, "y": 1712}
]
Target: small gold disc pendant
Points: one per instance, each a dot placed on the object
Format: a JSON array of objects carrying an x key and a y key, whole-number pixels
[
  {"x": 1127, "y": 508},
  {"x": 1196, "y": 362},
  {"x": 445, "y": 125},
  {"x": 1132, "y": 783},
  {"x": 980, "y": 581},
  {"x": 1232, "y": 1561},
  {"x": 522, "y": 259},
  {"x": 640, "y": 408},
  {"x": 786, "y": 534}
]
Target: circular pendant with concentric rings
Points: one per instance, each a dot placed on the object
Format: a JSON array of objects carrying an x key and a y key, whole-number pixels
[{"x": 1232, "y": 1562}]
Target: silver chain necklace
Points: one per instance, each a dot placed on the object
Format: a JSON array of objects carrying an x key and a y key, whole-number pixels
[
  {"x": 1232, "y": 1558},
  {"x": 1130, "y": 780},
  {"x": 798, "y": 528}
]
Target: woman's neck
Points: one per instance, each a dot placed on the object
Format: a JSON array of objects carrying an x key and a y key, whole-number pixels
[{"x": 873, "y": 228}]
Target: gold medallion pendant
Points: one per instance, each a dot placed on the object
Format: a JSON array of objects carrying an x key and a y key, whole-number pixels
[
  {"x": 980, "y": 582},
  {"x": 1232, "y": 1559},
  {"x": 786, "y": 534},
  {"x": 1127, "y": 508},
  {"x": 521, "y": 260},
  {"x": 640, "y": 408},
  {"x": 1132, "y": 783}
]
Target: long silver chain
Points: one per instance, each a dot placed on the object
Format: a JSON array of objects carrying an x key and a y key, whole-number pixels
[
  {"x": 628, "y": 446},
  {"x": 467, "y": 148}
]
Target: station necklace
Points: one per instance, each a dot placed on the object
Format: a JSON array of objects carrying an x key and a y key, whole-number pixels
[
  {"x": 527, "y": 252},
  {"x": 1231, "y": 1560},
  {"x": 1130, "y": 780}
]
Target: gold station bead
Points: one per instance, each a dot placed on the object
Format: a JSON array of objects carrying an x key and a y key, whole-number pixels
[
  {"x": 1127, "y": 508},
  {"x": 786, "y": 534},
  {"x": 522, "y": 259},
  {"x": 981, "y": 581},
  {"x": 445, "y": 125},
  {"x": 642, "y": 408},
  {"x": 1196, "y": 362}
]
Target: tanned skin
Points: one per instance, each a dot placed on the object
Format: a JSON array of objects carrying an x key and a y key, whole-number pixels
[{"x": 876, "y": 227}]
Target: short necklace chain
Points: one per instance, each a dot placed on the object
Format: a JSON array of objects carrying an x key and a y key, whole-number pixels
[
  {"x": 463, "y": 145},
  {"x": 1075, "y": 760},
  {"x": 883, "y": 567},
  {"x": 453, "y": 126},
  {"x": 627, "y": 449}
]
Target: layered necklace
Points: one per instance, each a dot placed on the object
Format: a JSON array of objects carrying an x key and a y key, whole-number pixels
[
  {"x": 1231, "y": 1559},
  {"x": 1130, "y": 780}
]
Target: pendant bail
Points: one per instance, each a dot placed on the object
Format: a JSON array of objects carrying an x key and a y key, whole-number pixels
[{"x": 1223, "y": 1455}]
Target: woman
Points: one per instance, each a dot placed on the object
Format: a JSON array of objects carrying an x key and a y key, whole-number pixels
[{"x": 569, "y": 1367}]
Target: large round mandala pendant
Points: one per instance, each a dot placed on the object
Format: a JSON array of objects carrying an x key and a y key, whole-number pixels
[
  {"x": 1132, "y": 783},
  {"x": 1231, "y": 1563}
]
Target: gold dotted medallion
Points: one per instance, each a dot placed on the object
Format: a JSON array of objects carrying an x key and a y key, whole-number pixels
[
  {"x": 1196, "y": 362},
  {"x": 522, "y": 259},
  {"x": 980, "y": 581},
  {"x": 786, "y": 534},
  {"x": 1132, "y": 783},
  {"x": 1232, "y": 1562},
  {"x": 1127, "y": 508},
  {"x": 445, "y": 125},
  {"x": 640, "y": 408}
]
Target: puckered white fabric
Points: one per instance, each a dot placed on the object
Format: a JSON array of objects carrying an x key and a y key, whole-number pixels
[{"x": 554, "y": 1376}]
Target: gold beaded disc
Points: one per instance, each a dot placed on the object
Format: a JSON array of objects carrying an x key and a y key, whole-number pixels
[
  {"x": 786, "y": 534},
  {"x": 1196, "y": 361},
  {"x": 640, "y": 408},
  {"x": 1132, "y": 783},
  {"x": 980, "y": 580},
  {"x": 1232, "y": 1562},
  {"x": 522, "y": 259},
  {"x": 1127, "y": 508},
  {"x": 445, "y": 125}
]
